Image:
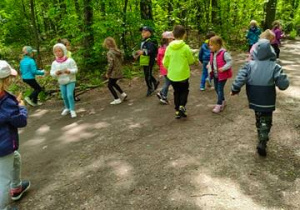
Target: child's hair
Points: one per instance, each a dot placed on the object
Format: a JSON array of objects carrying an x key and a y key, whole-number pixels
[
  {"x": 110, "y": 43},
  {"x": 164, "y": 41},
  {"x": 276, "y": 24},
  {"x": 4, "y": 83},
  {"x": 216, "y": 40},
  {"x": 267, "y": 34},
  {"x": 210, "y": 34},
  {"x": 178, "y": 32},
  {"x": 63, "y": 41},
  {"x": 254, "y": 23}
]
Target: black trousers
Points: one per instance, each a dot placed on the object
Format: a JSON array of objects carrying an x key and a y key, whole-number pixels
[
  {"x": 277, "y": 50},
  {"x": 181, "y": 92},
  {"x": 263, "y": 124},
  {"x": 36, "y": 89},
  {"x": 112, "y": 85},
  {"x": 149, "y": 79}
]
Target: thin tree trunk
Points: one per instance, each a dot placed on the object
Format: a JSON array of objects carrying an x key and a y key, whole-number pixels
[
  {"x": 124, "y": 43},
  {"x": 146, "y": 9},
  {"x": 88, "y": 41},
  {"x": 270, "y": 8}
]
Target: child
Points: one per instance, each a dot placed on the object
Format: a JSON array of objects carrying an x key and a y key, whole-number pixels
[
  {"x": 204, "y": 56},
  {"x": 167, "y": 37},
  {"x": 28, "y": 71},
  {"x": 64, "y": 69},
  {"x": 177, "y": 59},
  {"x": 147, "y": 56},
  {"x": 13, "y": 116},
  {"x": 278, "y": 35},
  {"x": 114, "y": 70},
  {"x": 261, "y": 75},
  {"x": 220, "y": 62},
  {"x": 253, "y": 34},
  {"x": 69, "y": 55}
]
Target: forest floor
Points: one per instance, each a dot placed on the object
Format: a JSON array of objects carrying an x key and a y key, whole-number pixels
[{"x": 137, "y": 156}]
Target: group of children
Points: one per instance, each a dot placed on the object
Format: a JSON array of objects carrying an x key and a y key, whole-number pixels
[{"x": 261, "y": 74}]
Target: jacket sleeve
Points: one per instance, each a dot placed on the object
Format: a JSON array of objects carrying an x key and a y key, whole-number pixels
[
  {"x": 166, "y": 60},
  {"x": 53, "y": 70},
  {"x": 190, "y": 56},
  {"x": 281, "y": 79},
  {"x": 240, "y": 79},
  {"x": 17, "y": 114},
  {"x": 110, "y": 61},
  {"x": 150, "y": 48},
  {"x": 72, "y": 67},
  {"x": 34, "y": 69},
  {"x": 228, "y": 60},
  {"x": 159, "y": 58},
  {"x": 201, "y": 54}
]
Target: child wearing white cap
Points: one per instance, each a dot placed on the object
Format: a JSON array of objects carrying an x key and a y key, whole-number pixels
[{"x": 13, "y": 115}]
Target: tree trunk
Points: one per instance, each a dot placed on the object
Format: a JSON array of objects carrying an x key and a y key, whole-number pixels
[
  {"x": 124, "y": 43},
  {"x": 214, "y": 12},
  {"x": 35, "y": 32},
  {"x": 146, "y": 9},
  {"x": 88, "y": 40},
  {"x": 270, "y": 9},
  {"x": 77, "y": 8}
]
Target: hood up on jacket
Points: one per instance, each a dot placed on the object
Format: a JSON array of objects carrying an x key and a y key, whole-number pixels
[
  {"x": 264, "y": 51},
  {"x": 177, "y": 44}
]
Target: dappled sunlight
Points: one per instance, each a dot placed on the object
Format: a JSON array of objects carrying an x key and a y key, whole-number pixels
[
  {"x": 35, "y": 141},
  {"x": 292, "y": 92},
  {"x": 101, "y": 125},
  {"x": 42, "y": 130},
  {"x": 93, "y": 167},
  {"x": 135, "y": 125},
  {"x": 75, "y": 132},
  {"x": 183, "y": 161},
  {"x": 39, "y": 113}
]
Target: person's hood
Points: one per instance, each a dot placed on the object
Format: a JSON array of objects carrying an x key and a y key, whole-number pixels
[
  {"x": 177, "y": 44},
  {"x": 264, "y": 51},
  {"x": 62, "y": 47}
]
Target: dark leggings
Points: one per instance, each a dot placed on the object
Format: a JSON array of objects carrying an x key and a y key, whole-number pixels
[
  {"x": 36, "y": 89},
  {"x": 181, "y": 92},
  {"x": 150, "y": 80},
  {"x": 276, "y": 49},
  {"x": 112, "y": 83}
]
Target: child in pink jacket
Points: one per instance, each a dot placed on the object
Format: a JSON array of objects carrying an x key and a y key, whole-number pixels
[{"x": 167, "y": 37}]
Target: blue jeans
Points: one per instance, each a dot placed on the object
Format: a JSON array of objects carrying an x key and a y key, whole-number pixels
[
  {"x": 219, "y": 88},
  {"x": 10, "y": 169},
  {"x": 204, "y": 74},
  {"x": 67, "y": 93},
  {"x": 165, "y": 87}
]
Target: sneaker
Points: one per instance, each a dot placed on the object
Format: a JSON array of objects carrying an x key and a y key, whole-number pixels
[
  {"x": 73, "y": 114},
  {"x": 208, "y": 83},
  {"x": 182, "y": 111},
  {"x": 224, "y": 104},
  {"x": 116, "y": 101},
  {"x": 164, "y": 101},
  {"x": 123, "y": 96},
  {"x": 17, "y": 193},
  {"x": 177, "y": 115},
  {"x": 29, "y": 101},
  {"x": 202, "y": 89},
  {"x": 159, "y": 96},
  {"x": 65, "y": 112},
  {"x": 156, "y": 85},
  {"x": 76, "y": 98},
  {"x": 261, "y": 148},
  {"x": 217, "y": 109},
  {"x": 39, "y": 103},
  {"x": 149, "y": 93}
]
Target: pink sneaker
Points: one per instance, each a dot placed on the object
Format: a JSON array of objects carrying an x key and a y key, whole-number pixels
[
  {"x": 224, "y": 104},
  {"x": 217, "y": 109}
]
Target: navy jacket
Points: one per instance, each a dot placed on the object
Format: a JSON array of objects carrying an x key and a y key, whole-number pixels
[
  {"x": 12, "y": 117},
  {"x": 150, "y": 48},
  {"x": 261, "y": 75},
  {"x": 204, "y": 54}
]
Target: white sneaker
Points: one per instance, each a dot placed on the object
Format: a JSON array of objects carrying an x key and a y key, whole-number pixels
[
  {"x": 65, "y": 112},
  {"x": 73, "y": 114},
  {"x": 39, "y": 103},
  {"x": 123, "y": 96},
  {"x": 116, "y": 101},
  {"x": 29, "y": 101}
]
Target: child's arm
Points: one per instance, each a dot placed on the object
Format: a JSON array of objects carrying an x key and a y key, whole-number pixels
[
  {"x": 34, "y": 69},
  {"x": 240, "y": 79},
  {"x": 190, "y": 56},
  {"x": 228, "y": 60},
  {"x": 72, "y": 67},
  {"x": 200, "y": 55},
  {"x": 110, "y": 61},
  {"x": 17, "y": 117},
  {"x": 166, "y": 60},
  {"x": 281, "y": 79}
]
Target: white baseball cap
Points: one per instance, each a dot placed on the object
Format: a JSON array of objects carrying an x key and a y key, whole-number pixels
[{"x": 6, "y": 70}]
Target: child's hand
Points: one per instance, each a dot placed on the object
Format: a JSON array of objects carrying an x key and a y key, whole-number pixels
[
  {"x": 140, "y": 52},
  {"x": 220, "y": 69},
  {"x": 58, "y": 73},
  {"x": 67, "y": 71},
  {"x": 21, "y": 103},
  {"x": 19, "y": 97}
]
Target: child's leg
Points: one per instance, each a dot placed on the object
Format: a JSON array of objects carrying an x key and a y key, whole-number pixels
[
  {"x": 36, "y": 89},
  {"x": 263, "y": 124},
  {"x": 165, "y": 87},
  {"x": 70, "y": 96},
  {"x": 147, "y": 73},
  {"x": 6, "y": 169},
  {"x": 118, "y": 88},
  {"x": 176, "y": 87},
  {"x": 63, "y": 91},
  {"x": 152, "y": 79},
  {"x": 219, "y": 87},
  {"x": 111, "y": 83},
  {"x": 204, "y": 74},
  {"x": 184, "y": 92}
]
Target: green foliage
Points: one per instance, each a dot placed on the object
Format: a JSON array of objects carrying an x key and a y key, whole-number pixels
[{"x": 293, "y": 34}]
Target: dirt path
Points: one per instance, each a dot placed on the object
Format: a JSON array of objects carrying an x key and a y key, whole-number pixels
[{"x": 136, "y": 156}]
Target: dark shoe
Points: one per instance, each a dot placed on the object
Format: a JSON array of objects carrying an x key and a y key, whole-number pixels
[
  {"x": 17, "y": 193},
  {"x": 149, "y": 93},
  {"x": 159, "y": 96},
  {"x": 76, "y": 98},
  {"x": 182, "y": 111},
  {"x": 261, "y": 148},
  {"x": 177, "y": 115},
  {"x": 156, "y": 85}
]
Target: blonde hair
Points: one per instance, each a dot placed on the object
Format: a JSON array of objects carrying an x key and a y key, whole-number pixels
[
  {"x": 267, "y": 34},
  {"x": 110, "y": 43},
  {"x": 253, "y": 22},
  {"x": 276, "y": 24},
  {"x": 4, "y": 83},
  {"x": 216, "y": 40}
]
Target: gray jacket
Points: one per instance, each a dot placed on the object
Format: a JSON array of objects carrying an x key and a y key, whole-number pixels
[{"x": 261, "y": 75}]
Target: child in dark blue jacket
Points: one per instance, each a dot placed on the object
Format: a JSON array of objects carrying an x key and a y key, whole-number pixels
[
  {"x": 204, "y": 56},
  {"x": 13, "y": 115}
]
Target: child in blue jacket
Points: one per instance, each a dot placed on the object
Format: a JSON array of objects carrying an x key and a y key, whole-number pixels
[
  {"x": 28, "y": 71},
  {"x": 204, "y": 56},
  {"x": 13, "y": 115}
]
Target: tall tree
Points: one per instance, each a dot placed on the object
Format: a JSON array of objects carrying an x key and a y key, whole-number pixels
[
  {"x": 146, "y": 9},
  {"x": 88, "y": 40},
  {"x": 270, "y": 12}
]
